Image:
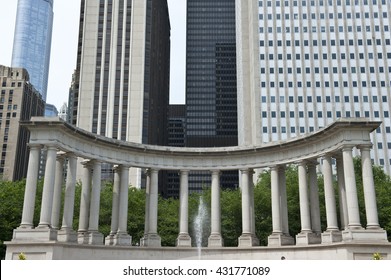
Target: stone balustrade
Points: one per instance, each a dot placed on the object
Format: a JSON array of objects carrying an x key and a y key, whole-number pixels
[{"x": 65, "y": 142}]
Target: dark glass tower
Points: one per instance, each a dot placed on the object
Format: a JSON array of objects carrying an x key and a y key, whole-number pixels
[{"x": 211, "y": 101}]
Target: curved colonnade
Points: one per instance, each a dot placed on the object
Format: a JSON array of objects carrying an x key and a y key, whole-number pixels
[{"x": 62, "y": 141}]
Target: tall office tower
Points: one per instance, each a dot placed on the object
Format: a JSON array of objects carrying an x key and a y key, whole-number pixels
[
  {"x": 304, "y": 64},
  {"x": 176, "y": 138},
  {"x": 33, "y": 40},
  {"x": 19, "y": 101},
  {"x": 122, "y": 86},
  {"x": 211, "y": 104}
]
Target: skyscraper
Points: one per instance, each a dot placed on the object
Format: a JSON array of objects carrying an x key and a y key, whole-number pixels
[
  {"x": 32, "y": 41},
  {"x": 19, "y": 101},
  {"x": 211, "y": 109},
  {"x": 304, "y": 64},
  {"x": 121, "y": 84}
]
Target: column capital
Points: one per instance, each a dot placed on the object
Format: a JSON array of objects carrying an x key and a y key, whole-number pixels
[
  {"x": 70, "y": 155},
  {"x": 86, "y": 163},
  {"x": 184, "y": 171},
  {"x": 347, "y": 147},
  {"x": 61, "y": 155},
  {"x": 34, "y": 146},
  {"x": 216, "y": 172},
  {"x": 51, "y": 147},
  {"x": 365, "y": 147}
]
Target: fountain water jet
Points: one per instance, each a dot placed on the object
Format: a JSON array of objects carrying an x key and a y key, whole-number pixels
[{"x": 198, "y": 224}]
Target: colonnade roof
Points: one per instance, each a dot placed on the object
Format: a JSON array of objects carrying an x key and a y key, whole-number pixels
[{"x": 329, "y": 140}]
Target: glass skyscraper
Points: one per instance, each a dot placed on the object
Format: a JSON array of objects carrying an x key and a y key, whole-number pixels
[
  {"x": 305, "y": 64},
  {"x": 211, "y": 109},
  {"x": 32, "y": 41}
]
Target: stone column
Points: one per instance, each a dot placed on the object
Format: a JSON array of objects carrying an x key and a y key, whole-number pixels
[
  {"x": 215, "y": 239},
  {"x": 306, "y": 236},
  {"x": 58, "y": 181},
  {"x": 314, "y": 197},
  {"x": 351, "y": 189},
  {"x": 332, "y": 233},
  {"x": 115, "y": 206},
  {"x": 122, "y": 237},
  {"x": 276, "y": 207},
  {"x": 85, "y": 198},
  {"x": 280, "y": 235},
  {"x": 184, "y": 239},
  {"x": 369, "y": 188},
  {"x": 343, "y": 210},
  {"x": 147, "y": 200},
  {"x": 247, "y": 239},
  {"x": 152, "y": 238},
  {"x": 67, "y": 234},
  {"x": 283, "y": 201},
  {"x": 305, "y": 216},
  {"x": 31, "y": 188},
  {"x": 48, "y": 189},
  {"x": 95, "y": 237},
  {"x": 286, "y": 238}
]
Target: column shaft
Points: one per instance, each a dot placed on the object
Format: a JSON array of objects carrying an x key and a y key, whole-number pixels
[
  {"x": 303, "y": 194},
  {"x": 314, "y": 198},
  {"x": 343, "y": 210},
  {"x": 283, "y": 201},
  {"x": 85, "y": 197},
  {"x": 95, "y": 198},
  {"x": 115, "y": 206},
  {"x": 246, "y": 216},
  {"x": 48, "y": 188},
  {"x": 57, "y": 191},
  {"x": 276, "y": 207},
  {"x": 31, "y": 188},
  {"x": 69, "y": 199},
  {"x": 153, "y": 203},
  {"x": 147, "y": 201},
  {"x": 369, "y": 189},
  {"x": 351, "y": 189},
  {"x": 331, "y": 209},
  {"x": 123, "y": 201},
  {"x": 216, "y": 207},
  {"x": 184, "y": 203}
]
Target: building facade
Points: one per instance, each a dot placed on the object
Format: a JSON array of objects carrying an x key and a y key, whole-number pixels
[
  {"x": 304, "y": 64},
  {"x": 19, "y": 101},
  {"x": 211, "y": 104},
  {"x": 32, "y": 41},
  {"x": 121, "y": 87}
]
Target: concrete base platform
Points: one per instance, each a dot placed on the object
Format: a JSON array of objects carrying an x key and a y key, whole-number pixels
[{"x": 72, "y": 251}]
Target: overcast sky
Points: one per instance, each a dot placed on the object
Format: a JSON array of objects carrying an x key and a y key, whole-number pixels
[{"x": 64, "y": 46}]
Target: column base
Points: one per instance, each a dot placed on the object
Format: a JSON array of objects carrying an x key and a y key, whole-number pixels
[
  {"x": 82, "y": 237},
  {"x": 279, "y": 239},
  {"x": 332, "y": 236},
  {"x": 215, "y": 240},
  {"x": 119, "y": 239},
  {"x": 67, "y": 235},
  {"x": 362, "y": 235},
  {"x": 248, "y": 240},
  {"x": 152, "y": 240},
  {"x": 36, "y": 234},
  {"x": 95, "y": 238},
  {"x": 183, "y": 240},
  {"x": 308, "y": 238}
]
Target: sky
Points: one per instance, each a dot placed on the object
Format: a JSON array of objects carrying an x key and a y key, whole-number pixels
[{"x": 64, "y": 46}]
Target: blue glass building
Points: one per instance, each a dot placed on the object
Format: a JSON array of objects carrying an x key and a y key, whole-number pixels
[{"x": 32, "y": 40}]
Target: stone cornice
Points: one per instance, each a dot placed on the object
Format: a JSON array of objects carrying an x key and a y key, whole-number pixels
[{"x": 67, "y": 138}]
